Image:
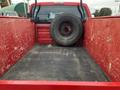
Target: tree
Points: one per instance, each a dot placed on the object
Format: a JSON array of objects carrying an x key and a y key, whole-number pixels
[
  {"x": 96, "y": 13},
  {"x": 105, "y": 12},
  {"x": 2, "y": 1}
]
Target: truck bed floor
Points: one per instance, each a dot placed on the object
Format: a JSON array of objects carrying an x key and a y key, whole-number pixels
[{"x": 56, "y": 63}]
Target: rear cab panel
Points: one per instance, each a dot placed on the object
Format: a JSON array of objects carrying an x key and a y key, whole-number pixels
[{"x": 43, "y": 30}]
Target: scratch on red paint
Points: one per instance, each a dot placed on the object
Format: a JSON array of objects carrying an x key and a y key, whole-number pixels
[
  {"x": 102, "y": 40},
  {"x": 16, "y": 38}
]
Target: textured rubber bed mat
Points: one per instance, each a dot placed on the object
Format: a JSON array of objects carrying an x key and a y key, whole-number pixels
[{"x": 56, "y": 63}]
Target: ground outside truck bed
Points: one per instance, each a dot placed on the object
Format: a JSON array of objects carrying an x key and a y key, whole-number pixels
[{"x": 56, "y": 64}]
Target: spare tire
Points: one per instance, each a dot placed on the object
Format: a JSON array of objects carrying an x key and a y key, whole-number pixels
[{"x": 66, "y": 29}]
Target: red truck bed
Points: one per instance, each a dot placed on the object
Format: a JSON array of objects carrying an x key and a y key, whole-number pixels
[
  {"x": 56, "y": 64},
  {"x": 17, "y": 37}
]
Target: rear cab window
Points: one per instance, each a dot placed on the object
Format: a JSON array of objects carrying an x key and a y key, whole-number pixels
[{"x": 47, "y": 13}]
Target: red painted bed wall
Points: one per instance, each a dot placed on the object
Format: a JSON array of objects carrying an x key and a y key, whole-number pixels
[
  {"x": 43, "y": 34},
  {"x": 16, "y": 38},
  {"x": 102, "y": 40}
]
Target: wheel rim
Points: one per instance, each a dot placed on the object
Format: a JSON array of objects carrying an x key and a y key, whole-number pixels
[{"x": 66, "y": 29}]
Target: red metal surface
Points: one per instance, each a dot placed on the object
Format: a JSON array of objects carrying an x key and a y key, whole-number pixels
[
  {"x": 48, "y": 85},
  {"x": 64, "y": 3},
  {"x": 102, "y": 40},
  {"x": 43, "y": 34},
  {"x": 17, "y": 33},
  {"x": 57, "y": 3},
  {"x": 105, "y": 17},
  {"x": 16, "y": 38}
]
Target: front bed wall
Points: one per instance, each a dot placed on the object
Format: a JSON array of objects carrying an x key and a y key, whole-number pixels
[
  {"x": 16, "y": 38},
  {"x": 102, "y": 40}
]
